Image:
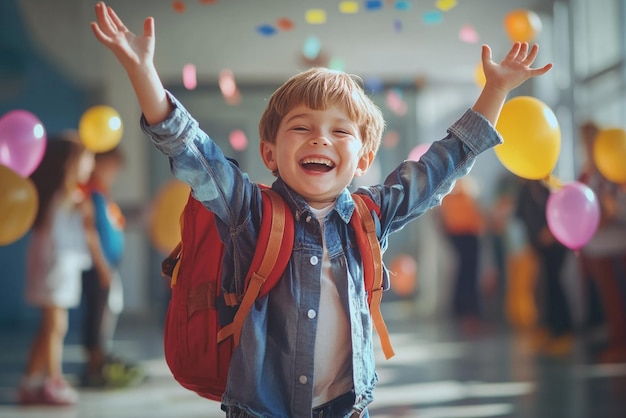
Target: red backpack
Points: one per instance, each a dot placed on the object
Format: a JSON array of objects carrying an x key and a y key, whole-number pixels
[{"x": 197, "y": 347}]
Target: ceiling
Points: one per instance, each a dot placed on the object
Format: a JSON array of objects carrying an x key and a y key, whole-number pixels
[{"x": 412, "y": 39}]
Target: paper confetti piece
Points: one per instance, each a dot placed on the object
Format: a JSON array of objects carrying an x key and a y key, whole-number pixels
[
  {"x": 373, "y": 84},
  {"x": 315, "y": 16},
  {"x": 207, "y": 1},
  {"x": 189, "y": 76},
  {"x": 433, "y": 17},
  {"x": 445, "y": 5},
  {"x": 468, "y": 34},
  {"x": 402, "y": 5},
  {"x": 348, "y": 7},
  {"x": 266, "y": 30},
  {"x": 373, "y": 4},
  {"x": 336, "y": 64},
  {"x": 227, "y": 83},
  {"x": 311, "y": 48},
  {"x": 238, "y": 140},
  {"x": 397, "y": 25},
  {"x": 285, "y": 24},
  {"x": 178, "y": 6}
]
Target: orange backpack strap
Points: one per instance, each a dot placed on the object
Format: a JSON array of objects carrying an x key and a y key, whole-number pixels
[
  {"x": 371, "y": 255},
  {"x": 270, "y": 259}
]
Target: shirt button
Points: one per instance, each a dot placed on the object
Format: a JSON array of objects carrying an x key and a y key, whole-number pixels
[
  {"x": 308, "y": 218},
  {"x": 311, "y": 313},
  {"x": 314, "y": 260},
  {"x": 303, "y": 379}
]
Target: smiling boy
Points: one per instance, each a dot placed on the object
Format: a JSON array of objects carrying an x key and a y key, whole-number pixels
[{"x": 306, "y": 347}]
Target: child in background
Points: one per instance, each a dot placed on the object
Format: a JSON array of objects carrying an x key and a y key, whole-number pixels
[
  {"x": 104, "y": 301},
  {"x": 61, "y": 247},
  {"x": 464, "y": 223},
  {"x": 306, "y": 348}
]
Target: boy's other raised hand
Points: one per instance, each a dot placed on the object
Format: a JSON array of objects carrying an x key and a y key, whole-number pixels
[
  {"x": 132, "y": 51},
  {"x": 514, "y": 69}
]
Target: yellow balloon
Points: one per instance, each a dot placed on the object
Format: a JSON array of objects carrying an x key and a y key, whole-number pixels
[
  {"x": 609, "y": 154},
  {"x": 165, "y": 220},
  {"x": 532, "y": 138},
  {"x": 18, "y": 205},
  {"x": 522, "y": 25},
  {"x": 100, "y": 128},
  {"x": 479, "y": 75}
]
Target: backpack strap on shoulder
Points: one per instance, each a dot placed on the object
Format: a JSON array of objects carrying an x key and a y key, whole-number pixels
[
  {"x": 371, "y": 256},
  {"x": 270, "y": 258}
]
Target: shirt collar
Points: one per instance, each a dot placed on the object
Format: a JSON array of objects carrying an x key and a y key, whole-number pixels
[{"x": 344, "y": 205}]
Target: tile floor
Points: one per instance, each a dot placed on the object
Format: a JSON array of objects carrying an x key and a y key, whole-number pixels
[{"x": 436, "y": 373}]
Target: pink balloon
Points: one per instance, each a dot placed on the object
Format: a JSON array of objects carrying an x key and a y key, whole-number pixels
[
  {"x": 22, "y": 141},
  {"x": 417, "y": 152},
  {"x": 573, "y": 214}
]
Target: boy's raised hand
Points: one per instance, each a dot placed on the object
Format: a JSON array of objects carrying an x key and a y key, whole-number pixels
[
  {"x": 131, "y": 50},
  {"x": 136, "y": 54},
  {"x": 503, "y": 77},
  {"x": 514, "y": 69}
]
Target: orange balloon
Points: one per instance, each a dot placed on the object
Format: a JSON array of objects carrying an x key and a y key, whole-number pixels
[
  {"x": 609, "y": 154},
  {"x": 404, "y": 274},
  {"x": 167, "y": 207},
  {"x": 18, "y": 205},
  {"x": 522, "y": 25}
]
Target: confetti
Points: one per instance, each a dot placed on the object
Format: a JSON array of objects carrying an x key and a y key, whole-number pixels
[
  {"x": 178, "y": 6},
  {"x": 337, "y": 64},
  {"x": 266, "y": 30},
  {"x": 311, "y": 48},
  {"x": 238, "y": 140},
  {"x": 433, "y": 17},
  {"x": 402, "y": 5},
  {"x": 373, "y": 4},
  {"x": 227, "y": 83},
  {"x": 397, "y": 25},
  {"x": 348, "y": 7},
  {"x": 445, "y": 5},
  {"x": 285, "y": 24},
  {"x": 207, "y": 1},
  {"x": 189, "y": 77},
  {"x": 315, "y": 16},
  {"x": 373, "y": 84},
  {"x": 468, "y": 34}
]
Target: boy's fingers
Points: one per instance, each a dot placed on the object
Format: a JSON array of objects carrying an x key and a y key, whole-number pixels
[
  {"x": 531, "y": 55},
  {"x": 486, "y": 54},
  {"x": 116, "y": 20},
  {"x": 100, "y": 36},
  {"x": 104, "y": 21},
  {"x": 148, "y": 27}
]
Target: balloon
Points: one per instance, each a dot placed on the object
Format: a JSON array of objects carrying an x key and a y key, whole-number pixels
[
  {"x": 532, "y": 138},
  {"x": 522, "y": 25},
  {"x": 165, "y": 220},
  {"x": 22, "y": 141},
  {"x": 573, "y": 214},
  {"x": 18, "y": 205},
  {"x": 417, "y": 152},
  {"x": 609, "y": 154},
  {"x": 404, "y": 274},
  {"x": 100, "y": 128},
  {"x": 479, "y": 75}
]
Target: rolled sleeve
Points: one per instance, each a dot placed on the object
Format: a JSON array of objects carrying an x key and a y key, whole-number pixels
[
  {"x": 170, "y": 136},
  {"x": 475, "y": 131}
]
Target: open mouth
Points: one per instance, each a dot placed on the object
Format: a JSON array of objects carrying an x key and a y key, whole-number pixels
[{"x": 317, "y": 164}]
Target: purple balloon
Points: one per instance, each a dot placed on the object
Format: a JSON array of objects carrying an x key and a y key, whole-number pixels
[
  {"x": 573, "y": 214},
  {"x": 22, "y": 141}
]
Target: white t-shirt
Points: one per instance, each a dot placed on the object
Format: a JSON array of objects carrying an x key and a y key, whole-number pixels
[{"x": 332, "y": 375}]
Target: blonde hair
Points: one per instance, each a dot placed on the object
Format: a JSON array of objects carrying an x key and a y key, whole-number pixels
[{"x": 321, "y": 88}]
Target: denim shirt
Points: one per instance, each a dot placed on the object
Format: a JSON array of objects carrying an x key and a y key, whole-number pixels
[{"x": 271, "y": 371}]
